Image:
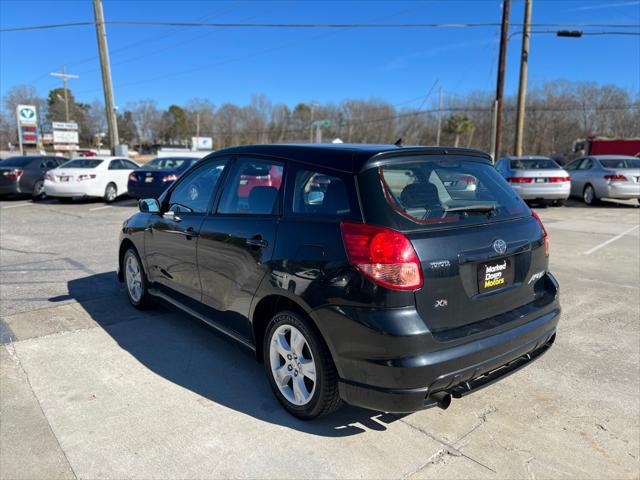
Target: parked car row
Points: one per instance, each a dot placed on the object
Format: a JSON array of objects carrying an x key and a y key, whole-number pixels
[
  {"x": 590, "y": 178},
  {"x": 89, "y": 177}
]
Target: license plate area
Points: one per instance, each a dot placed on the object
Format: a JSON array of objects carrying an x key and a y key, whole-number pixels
[
  {"x": 541, "y": 180},
  {"x": 495, "y": 275},
  {"x": 148, "y": 179},
  {"x": 64, "y": 179}
]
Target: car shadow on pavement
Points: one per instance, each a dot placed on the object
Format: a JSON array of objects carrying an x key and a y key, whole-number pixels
[{"x": 188, "y": 353}]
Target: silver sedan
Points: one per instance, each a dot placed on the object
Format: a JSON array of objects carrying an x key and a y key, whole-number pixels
[
  {"x": 536, "y": 178},
  {"x": 605, "y": 176}
]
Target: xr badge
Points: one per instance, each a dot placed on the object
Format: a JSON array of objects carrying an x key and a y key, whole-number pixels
[{"x": 441, "y": 303}]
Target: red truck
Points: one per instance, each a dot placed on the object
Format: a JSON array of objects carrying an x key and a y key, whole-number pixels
[{"x": 608, "y": 146}]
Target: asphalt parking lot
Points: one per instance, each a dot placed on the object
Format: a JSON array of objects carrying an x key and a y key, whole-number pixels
[{"x": 92, "y": 388}]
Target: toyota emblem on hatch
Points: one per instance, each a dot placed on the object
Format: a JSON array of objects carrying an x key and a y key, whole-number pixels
[{"x": 500, "y": 246}]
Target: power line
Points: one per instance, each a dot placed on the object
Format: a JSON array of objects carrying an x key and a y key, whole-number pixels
[
  {"x": 344, "y": 124},
  {"x": 315, "y": 25}
]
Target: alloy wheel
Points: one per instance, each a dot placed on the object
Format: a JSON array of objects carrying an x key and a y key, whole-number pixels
[
  {"x": 38, "y": 190},
  {"x": 588, "y": 195},
  {"x": 111, "y": 193},
  {"x": 133, "y": 275},
  {"x": 292, "y": 365}
]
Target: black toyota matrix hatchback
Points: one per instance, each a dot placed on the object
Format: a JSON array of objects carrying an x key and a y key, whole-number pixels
[{"x": 392, "y": 278}]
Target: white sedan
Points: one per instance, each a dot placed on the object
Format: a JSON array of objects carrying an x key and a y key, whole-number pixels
[{"x": 104, "y": 177}]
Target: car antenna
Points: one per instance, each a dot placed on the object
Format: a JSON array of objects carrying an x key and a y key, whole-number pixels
[{"x": 399, "y": 143}]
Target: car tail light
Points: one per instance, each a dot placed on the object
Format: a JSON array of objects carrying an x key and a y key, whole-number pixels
[
  {"x": 88, "y": 176},
  {"x": 133, "y": 178},
  {"x": 14, "y": 174},
  {"x": 615, "y": 178},
  {"x": 545, "y": 234},
  {"x": 468, "y": 179},
  {"x": 170, "y": 178},
  {"x": 50, "y": 176},
  {"x": 559, "y": 179},
  {"x": 519, "y": 179},
  {"x": 383, "y": 255}
]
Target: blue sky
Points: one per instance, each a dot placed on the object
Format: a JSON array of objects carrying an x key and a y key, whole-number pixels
[{"x": 174, "y": 64}]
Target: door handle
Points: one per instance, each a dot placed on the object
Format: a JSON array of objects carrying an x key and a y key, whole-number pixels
[
  {"x": 171, "y": 215},
  {"x": 257, "y": 241},
  {"x": 191, "y": 233}
]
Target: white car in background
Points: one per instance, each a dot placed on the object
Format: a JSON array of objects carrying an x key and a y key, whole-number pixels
[{"x": 104, "y": 177}]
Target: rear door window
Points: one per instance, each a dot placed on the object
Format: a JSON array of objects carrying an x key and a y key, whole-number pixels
[
  {"x": 50, "y": 162},
  {"x": 412, "y": 194},
  {"x": 252, "y": 188},
  {"x": 318, "y": 193}
]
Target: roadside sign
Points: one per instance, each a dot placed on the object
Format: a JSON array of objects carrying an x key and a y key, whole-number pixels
[
  {"x": 67, "y": 147},
  {"x": 65, "y": 136},
  {"x": 202, "y": 143},
  {"x": 64, "y": 125},
  {"x": 29, "y": 135},
  {"x": 27, "y": 120},
  {"x": 26, "y": 114}
]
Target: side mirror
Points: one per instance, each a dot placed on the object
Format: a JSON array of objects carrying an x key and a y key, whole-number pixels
[
  {"x": 149, "y": 205},
  {"x": 315, "y": 197}
]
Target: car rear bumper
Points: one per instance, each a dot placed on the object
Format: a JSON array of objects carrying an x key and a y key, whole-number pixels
[
  {"x": 145, "y": 191},
  {"x": 387, "y": 363},
  {"x": 622, "y": 191},
  {"x": 10, "y": 188},
  {"x": 547, "y": 191},
  {"x": 72, "y": 189}
]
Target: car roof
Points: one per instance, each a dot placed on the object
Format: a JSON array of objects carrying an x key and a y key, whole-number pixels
[
  {"x": 527, "y": 157},
  {"x": 613, "y": 157},
  {"x": 99, "y": 158},
  {"x": 345, "y": 156}
]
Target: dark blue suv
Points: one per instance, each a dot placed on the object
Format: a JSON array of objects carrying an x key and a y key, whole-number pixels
[{"x": 392, "y": 278}]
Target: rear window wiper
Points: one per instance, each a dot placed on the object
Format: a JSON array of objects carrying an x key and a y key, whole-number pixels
[{"x": 480, "y": 208}]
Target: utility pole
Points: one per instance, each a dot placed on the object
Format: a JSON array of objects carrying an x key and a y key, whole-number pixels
[
  {"x": 522, "y": 89},
  {"x": 311, "y": 125},
  {"x": 501, "y": 68},
  {"x": 197, "y": 124},
  {"x": 439, "y": 116},
  {"x": 65, "y": 76},
  {"x": 106, "y": 74}
]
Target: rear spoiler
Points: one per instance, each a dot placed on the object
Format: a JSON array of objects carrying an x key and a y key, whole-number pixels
[{"x": 388, "y": 157}]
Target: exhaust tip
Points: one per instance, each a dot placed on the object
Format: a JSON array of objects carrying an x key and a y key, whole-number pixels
[{"x": 442, "y": 399}]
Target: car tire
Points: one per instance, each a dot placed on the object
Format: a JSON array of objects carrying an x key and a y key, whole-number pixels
[
  {"x": 135, "y": 280},
  {"x": 589, "y": 195},
  {"x": 307, "y": 386},
  {"x": 110, "y": 192},
  {"x": 38, "y": 191}
]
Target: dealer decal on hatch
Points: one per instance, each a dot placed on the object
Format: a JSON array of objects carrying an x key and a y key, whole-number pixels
[{"x": 493, "y": 275}]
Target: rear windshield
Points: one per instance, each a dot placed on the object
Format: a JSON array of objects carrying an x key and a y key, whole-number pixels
[
  {"x": 621, "y": 163},
  {"x": 534, "y": 164},
  {"x": 82, "y": 163},
  {"x": 15, "y": 162},
  {"x": 425, "y": 192},
  {"x": 169, "y": 163}
]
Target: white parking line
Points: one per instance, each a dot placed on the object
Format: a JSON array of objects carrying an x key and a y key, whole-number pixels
[
  {"x": 611, "y": 240},
  {"x": 17, "y": 205},
  {"x": 99, "y": 208}
]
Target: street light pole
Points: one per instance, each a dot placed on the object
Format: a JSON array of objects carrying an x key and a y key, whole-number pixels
[
  {"x": 105, "y": 67},
  {"x": 439, "y": 116},
  {"x": 522, "y": 89},
  {"x": 501, "y": 68},
  {"x": 65, "y": 76}
]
